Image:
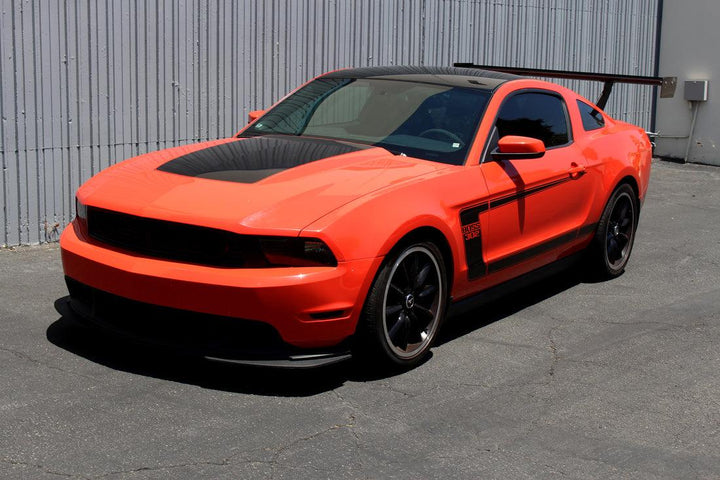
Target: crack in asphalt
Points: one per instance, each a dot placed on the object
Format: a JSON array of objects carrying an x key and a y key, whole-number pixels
[
  {"x": 43, "y": 468},
  {"x": 221, "y": 463},
  {"x": 555, "y": 356},
  {"x": 670, "y": 326},
  {"x": 28, "y": 358},
  {"x": 274, "y": 461},
  {"x": 472, "y": 385},
  {"x": 508, "y": 344},
  {"x": 387, "y": 386},
  {"x": 358, "y": 444},
  {"x": 350, "y": 425},
  {"x": 354, "y": 409},
  {"x": 225, "y": 462}
]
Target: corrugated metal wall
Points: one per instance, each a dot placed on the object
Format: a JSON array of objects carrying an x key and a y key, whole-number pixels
[{"x": 87, "y": 83}]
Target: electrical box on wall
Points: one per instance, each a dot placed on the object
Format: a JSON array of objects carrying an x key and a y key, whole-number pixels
[{"x": 696, "y": 90}]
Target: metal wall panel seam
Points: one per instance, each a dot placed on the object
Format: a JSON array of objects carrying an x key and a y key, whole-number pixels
[
  {"x": 28, "y": 165},
  {"x": 14, "y": 200},
  {"x": 3, "y": 154},
  {"x": 42, "y": 208}
]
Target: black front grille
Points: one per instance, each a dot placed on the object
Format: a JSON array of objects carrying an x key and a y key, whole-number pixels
[
  {"x": 174, "y": 241},
  {"x": 210, "y": 335}
]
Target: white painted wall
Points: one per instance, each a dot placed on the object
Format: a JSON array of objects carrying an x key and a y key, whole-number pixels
[{"x": 690, "y": 50}]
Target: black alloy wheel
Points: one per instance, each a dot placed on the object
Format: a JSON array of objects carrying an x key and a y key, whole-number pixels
[
  {"x": 620, "y": 231},
  {"x": 406, "y": 305},
  {"x": 615, "y": 234}
]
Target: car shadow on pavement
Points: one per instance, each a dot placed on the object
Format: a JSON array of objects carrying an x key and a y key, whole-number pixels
[
  {"x": 504, "y": 303},
  {"x": 157, "y": 362}
]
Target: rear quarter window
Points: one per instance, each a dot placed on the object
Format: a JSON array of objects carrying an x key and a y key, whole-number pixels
[{"x": 591, "y": 117}]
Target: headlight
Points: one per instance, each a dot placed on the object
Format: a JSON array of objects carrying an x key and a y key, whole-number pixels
[
  {"x": 81, "y": 214},
  {"x": 296, "y": 252},
  {"x": 80, "y": 209}
]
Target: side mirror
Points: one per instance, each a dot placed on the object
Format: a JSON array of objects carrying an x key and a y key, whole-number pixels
[
  {"x": 255, "y": 114},
  {"x": 513, "y": 147}
]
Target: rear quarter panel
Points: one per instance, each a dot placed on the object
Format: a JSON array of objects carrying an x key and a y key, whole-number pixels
[{"x": 612, "y": 155}]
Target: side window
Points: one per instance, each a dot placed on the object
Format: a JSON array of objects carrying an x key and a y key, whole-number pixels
[
  {"x": 536, "y": 115},
  {"x": 592, "y": 119}
]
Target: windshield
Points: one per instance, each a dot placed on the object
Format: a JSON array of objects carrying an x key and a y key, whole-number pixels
[{"x": 433, "y": 122}]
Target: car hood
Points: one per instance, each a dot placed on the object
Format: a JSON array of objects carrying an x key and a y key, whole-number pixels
[{"x": 274, "y": 185}]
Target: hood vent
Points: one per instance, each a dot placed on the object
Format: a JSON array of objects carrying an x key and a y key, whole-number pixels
[{"x": 248, "y": 160}]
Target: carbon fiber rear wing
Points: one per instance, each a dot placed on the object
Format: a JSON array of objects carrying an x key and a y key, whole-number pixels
[{"x": 667, "y": 84}]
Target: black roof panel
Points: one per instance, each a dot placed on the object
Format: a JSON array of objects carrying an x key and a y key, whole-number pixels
[{"x": 453, "y": 76}]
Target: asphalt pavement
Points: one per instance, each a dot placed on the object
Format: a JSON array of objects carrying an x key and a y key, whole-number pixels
[{"x": 618, "y": 379}]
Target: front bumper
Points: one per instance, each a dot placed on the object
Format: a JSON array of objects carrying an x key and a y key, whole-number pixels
[
  {"x": 309, "y": 307},
  {"x": 220, "y": 339}
]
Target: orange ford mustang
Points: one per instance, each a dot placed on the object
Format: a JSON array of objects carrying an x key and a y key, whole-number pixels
[{"x": 353, "y": 214}]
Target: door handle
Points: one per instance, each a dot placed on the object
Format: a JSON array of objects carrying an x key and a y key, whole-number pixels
[{"x": 576, "y": 171}]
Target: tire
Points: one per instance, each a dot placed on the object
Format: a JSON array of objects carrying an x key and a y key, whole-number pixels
[
  {"x": 404, "y": 307},
  {"x": 615, "y": 234}
]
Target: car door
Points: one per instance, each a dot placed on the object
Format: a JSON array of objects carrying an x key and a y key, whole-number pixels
[{"x": 535, "y": 206}]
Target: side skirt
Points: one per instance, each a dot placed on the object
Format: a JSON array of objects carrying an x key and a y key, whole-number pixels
[{"x": 493, "y": 293}]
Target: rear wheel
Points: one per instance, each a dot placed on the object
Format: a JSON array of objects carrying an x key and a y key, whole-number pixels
[
  {"x": 405, "y": 306},
  {"x": 615, "y": 234}
]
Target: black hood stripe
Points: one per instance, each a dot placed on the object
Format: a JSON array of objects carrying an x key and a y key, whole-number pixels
[{"x": 252, "y": 159}]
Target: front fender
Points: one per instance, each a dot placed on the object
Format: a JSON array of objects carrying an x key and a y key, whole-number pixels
[{"x": 371, "y": 226}]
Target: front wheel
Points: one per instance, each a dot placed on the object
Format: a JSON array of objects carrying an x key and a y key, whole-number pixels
[
  {"x": 615, "y": 234},
  {"x": 405, "y": 306}
]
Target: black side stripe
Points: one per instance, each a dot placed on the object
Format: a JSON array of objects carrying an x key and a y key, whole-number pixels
[
  {"x": 524, "y": 193},
  {"x": 470, "y": 222},
  {"x": 539, "y": 249}
]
